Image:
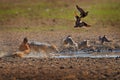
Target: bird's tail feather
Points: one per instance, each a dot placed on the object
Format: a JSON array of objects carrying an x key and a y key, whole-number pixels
[{"x": 88, "y": 25}]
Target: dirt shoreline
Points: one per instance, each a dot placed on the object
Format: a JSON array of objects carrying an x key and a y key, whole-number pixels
[{"x": 59, "y": 68}]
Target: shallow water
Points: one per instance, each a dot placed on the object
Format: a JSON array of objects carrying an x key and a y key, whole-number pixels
[
  {"x": 91, "y": 55},
  {"x": 106, "y": 51},
  {"x": 70, "y": 54},
  {"x": 105, "y": 54}
]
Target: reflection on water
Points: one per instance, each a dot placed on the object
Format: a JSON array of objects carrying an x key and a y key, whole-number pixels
[{"x": 116, "y": 50}]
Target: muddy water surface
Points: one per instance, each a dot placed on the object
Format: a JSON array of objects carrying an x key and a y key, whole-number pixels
[{"x": 70, "y": 54}]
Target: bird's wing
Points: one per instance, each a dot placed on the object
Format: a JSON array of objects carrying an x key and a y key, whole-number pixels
[
  {"x": 106, "y": 40},
  {"x": 85, "y": 24},
  {"x": 80, "y": 9}
]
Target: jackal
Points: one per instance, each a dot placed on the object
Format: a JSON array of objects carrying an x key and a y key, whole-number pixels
[
  {"x": 24, "y": 48},
  {"x": 43, "y": 47},
  {"x": 27, "y": 47}
]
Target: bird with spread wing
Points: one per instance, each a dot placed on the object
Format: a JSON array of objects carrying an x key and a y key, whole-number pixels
[
  {"x": 82, "y": 12},
  {"x": 79, "y": 22}
]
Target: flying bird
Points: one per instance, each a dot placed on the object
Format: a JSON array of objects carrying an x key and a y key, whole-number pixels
[
  {"x": 82, "y": 12},
  {"x": 79, "y": 22}
]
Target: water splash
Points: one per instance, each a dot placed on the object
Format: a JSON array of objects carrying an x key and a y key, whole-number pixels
[
  {"x": 2, "y": 54},
  {"x": 70, "y": 54},
  {"x": 35, "y": 54},
  {"x": 103, "y": 54}
]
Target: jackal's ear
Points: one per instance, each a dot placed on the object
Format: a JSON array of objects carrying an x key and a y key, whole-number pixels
[{"x": 25, "y": 40}]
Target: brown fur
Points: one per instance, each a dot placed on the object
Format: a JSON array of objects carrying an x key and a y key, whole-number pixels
[
  {"x": 24, "y": 48},
  {"x": 45, "y": 48},
  {"x": 30, "y": 47}
]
